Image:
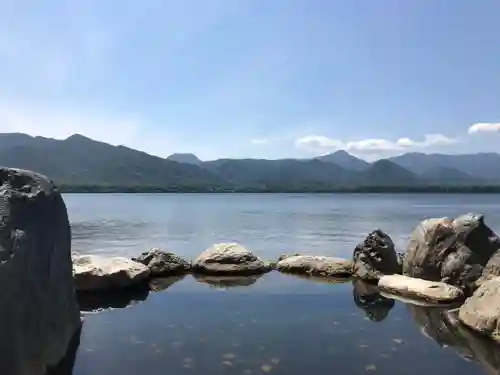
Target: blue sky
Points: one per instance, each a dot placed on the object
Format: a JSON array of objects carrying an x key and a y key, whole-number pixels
[{"x": 255, "y": 78}]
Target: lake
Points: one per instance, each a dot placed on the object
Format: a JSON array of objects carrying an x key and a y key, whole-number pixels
[{"x": 272, "y": 324}]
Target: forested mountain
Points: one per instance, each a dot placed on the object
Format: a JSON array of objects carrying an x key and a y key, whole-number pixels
[{"x": 80, "y": 163}]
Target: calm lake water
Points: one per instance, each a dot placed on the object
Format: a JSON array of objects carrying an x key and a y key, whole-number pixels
[{"x": 274, "y": 324}]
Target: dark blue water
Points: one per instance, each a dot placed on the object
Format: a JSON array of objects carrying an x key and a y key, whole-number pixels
[{"x": 274, "y": 324}]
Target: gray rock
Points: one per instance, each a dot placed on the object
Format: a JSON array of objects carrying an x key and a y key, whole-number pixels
[
  {"x": 316, "y": 266},
  {"x": 420, "y": 289},
  {"x": 491, "y": 270},
  {"x": 162, "y": 263},
  {"x": 481, "y": 312},
  {"x": 229, "y": 259},
  {"x": 97, "y": 273},
  {"x": 38, "y": 309},
  {"x": 375, "y": 257},
  {"x": 286, "y": 255},
  {"x": 454, "y": 252}
]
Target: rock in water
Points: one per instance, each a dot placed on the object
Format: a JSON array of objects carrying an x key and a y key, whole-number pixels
[
  {"x": 481, "y": 312},
  {"x": 454, "y": 252},
  {"x": 96, "y": 273},
  {"x": 375, "y": 257},
  {"x": 230, "y": 259},
  {"x": 316, "y": 266},
  {"x": 162, "y": 263},
  {"x": 420, "y": 289},
  {"x": 38, "y": 309}
]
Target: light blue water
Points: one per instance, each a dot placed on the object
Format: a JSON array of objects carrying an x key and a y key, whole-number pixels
[{"x": 276, "y": 324}]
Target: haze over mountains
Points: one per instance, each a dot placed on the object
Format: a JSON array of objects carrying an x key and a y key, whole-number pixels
[{"x": 80, "y": 161}]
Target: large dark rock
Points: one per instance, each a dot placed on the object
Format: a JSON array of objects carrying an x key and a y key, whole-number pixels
[
  {"x": 229, "y": 259},
  {"x": 368, "y": 298},
  {"x": 38, "y": 309},
  {"x": 455, "y": 252},
  {"x": 443, "y": 326},
  {"x": 162, "y": 263},
  {"x": 375, "y": 257}
]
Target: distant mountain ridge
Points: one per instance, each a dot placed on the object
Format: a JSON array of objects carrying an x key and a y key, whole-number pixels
[{"x": 80, "y": 161}]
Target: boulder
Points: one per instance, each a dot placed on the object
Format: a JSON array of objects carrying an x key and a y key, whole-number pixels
[
  {"x": 229, "y": 259},
  {"x": 451, "y": 251},
  {"x": 481, "y": 312},
  {"x": 97, "y": 273},
  {"x": 38, "y": 310},
  {"x": 316, "y": 266},
  {"x": 368, "y": 298},
  {"x": 420, "y": 289},
  {"x": 286, "y": 255},
  {"x": 161, "y": 263},
  {"x": 375, "y": 257}
]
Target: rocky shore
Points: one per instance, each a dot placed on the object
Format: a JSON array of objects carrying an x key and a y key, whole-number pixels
[{"x": 447, "y": 261}]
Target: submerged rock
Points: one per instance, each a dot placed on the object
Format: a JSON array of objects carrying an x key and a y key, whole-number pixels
[
  {"x": 375, "y": 257},
  {"x": 163, "y": 263},
  {"x": 443, "y": 326},
  {"x": 368, "y": 298},
  {"x": 316, "y": 266},
  {"x": 115, "y": 299},
  {"x": 420, "y": 289},
  {"x": 454, "y": 252},
  {"x": 481, "y": 312},
  {"x": 223, "y": 282},
  {"x": 229, "y": 259},
  {"x": 159, "y": 284},
  {"x": 38, "y": 309},
  {"x": 97, "y": 273}
]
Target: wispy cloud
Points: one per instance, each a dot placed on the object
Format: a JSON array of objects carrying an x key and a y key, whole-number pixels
[
  {"x": 484, "y": 127},
  {"x": 260, "y": 141},
  {"x": 370, "y": 146}
]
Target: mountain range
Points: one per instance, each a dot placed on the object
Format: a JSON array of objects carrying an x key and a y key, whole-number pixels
[{"x": 79, "y": 163}]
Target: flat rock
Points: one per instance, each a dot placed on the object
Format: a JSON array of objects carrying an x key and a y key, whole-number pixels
[
  {"x": 229, "y": 259},
  {"x": 316, "y": 266},
  {"x": 481, "y": 312},
  {"x": 375, "y": 257},
  {"x": 97, "y": 273},
  {"x": 163, "y": 263},
  {"x": 452, "y": 251},
  {"x": 420, "y": 289},
  {"x": 38, "y": 308}
]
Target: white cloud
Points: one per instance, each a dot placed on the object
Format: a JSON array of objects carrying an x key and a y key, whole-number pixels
[
  {"x": 260, "y": 141},
  {"x": 322, "y": 144},
  {"x": 484, "y": 127}
]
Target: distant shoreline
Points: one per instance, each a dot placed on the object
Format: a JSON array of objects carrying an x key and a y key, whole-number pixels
[{"x": 494, "y": 189}]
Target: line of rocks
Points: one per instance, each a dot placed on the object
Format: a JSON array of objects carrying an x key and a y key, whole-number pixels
[{"x": 445, "y": 262}]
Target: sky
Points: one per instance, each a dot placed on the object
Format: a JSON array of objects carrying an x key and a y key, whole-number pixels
[{"x": 255, "y": 78}]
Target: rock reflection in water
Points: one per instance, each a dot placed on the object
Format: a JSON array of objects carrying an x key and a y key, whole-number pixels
[
  {"x": 65, "y": 366},
  {"x": 159, "y": 284},
  {"x": 98, "y": 301},
  {"x": 321, "y": 279},
  {"x": 368, "y": 298},
  {"x": 443, "y": 327},
  {"x": 223, "y": 282}
]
